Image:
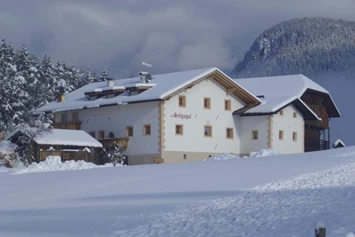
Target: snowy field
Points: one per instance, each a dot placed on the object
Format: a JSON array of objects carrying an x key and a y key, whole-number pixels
[{"x": 283, "y": 195}]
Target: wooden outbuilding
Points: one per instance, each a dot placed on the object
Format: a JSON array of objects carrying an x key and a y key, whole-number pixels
[
  {"x": 338, "y": 144},
  {"x": 68, "y": 144}
]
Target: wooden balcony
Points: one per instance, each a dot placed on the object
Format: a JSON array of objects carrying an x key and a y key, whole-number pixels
[
  {"x": 107, "y": 142},
  {"x": 73, "y": 125}
]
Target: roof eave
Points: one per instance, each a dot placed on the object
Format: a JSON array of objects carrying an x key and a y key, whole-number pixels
[
  {"x": 253, "y": 99},
  {"x": 98, "y": 106},
  {"x": 278, "y": 109}
]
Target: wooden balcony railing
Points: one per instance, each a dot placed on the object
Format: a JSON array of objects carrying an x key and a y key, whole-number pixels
[
  {"x": 74, "y": 125},
  {"x": 107, "y": 142}
]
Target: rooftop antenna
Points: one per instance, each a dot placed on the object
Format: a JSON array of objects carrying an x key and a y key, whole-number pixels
[{"x": 147, "y": 65}]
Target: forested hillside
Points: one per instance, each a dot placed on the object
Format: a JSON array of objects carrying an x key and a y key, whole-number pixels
[
  {"x": 322, "y": 49},
  {"x": 309, "y": 46},
  {"x": 27, "y": 82}
]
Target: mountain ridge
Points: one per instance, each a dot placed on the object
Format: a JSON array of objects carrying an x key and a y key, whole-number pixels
[
  {"x": 308, "y": 46},
  {"x": 322, "y": 49}
]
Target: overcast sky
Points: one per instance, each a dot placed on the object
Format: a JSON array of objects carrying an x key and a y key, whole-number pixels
[{"x": 171, "y": 35}]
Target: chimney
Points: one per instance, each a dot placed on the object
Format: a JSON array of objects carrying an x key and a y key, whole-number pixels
[
  {"x": 61, "y": 97},
  {"x": 142, "y": 76},
  {"x": 110, "y": 82},
  {"x": 145, "y": 77},
  {"x": 61, "y": 94}
]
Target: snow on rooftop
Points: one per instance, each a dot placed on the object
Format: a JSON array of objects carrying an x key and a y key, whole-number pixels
[
  {"x": 139, "y": 84},
  {"x": 164, "y": 83},
  {"x": 278, "y": 91},
  {"x": 337, "y": 142},
  {"x": 162, "y": 86},
  {"x": 280, "y": 86},
  {"x": 67, "y": 138}
]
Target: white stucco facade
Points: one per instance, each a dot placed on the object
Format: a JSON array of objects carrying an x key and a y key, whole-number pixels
[
  {"x": 116, "y": 118},
  {"x": 194, "y": 117},
  {"x": 249, "y": 124},
  {"x": 289, "y": 121}
]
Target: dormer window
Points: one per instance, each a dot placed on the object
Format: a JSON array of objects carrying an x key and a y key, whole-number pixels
[
  {"x": 105, "y": 93},
  {"x": 109, "y": 96},
  {"x": 134, "y": 92}
]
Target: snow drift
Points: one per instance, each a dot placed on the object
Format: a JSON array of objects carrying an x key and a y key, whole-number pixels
[
  {"x": 54, "y": 163},
  {"x": 7, "y": 148},
  {"x": 7, "y": 152},
  {"x": 228, "y": 156}
]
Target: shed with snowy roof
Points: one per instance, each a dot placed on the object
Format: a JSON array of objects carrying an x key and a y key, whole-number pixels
[
  {"x": 338, "y": 144},
  {"x": 68, "y": 144}
]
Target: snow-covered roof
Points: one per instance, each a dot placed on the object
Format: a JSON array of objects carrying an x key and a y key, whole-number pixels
[
  {"x": 66, "y": 137},
  {"x": 279, "y": 91},
  {"x": 162, "y": 86},
  {"x": 338, "y": 142}
]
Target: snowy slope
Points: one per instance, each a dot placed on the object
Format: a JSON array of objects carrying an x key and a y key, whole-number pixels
[{"x": 282, "y": 195}]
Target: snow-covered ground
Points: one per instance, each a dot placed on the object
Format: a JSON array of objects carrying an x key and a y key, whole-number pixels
[{"x": 283, "y": 195}]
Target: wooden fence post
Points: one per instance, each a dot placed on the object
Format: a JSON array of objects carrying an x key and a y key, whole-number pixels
[{"x": 320, "y": 232}]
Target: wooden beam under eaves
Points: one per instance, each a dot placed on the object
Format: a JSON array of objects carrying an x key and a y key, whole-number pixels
[
  {"x": 190, "y": 86},
  {"x": 231, "y": 90}
]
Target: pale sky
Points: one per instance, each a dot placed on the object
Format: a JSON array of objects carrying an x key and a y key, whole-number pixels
[{"x": 170, "y": 35}]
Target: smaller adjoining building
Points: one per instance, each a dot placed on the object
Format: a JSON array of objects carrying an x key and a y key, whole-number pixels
[{"x": 68, "y": 144}]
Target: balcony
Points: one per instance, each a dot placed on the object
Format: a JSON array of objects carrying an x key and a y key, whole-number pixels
[
  {"x": 74, "y": 125},
  {"x": 107, "y": 142}
]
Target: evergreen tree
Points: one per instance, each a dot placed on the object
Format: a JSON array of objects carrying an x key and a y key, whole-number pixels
[
  {"x": 27, "y": 83},
  {"x": 104, "y": 74}
]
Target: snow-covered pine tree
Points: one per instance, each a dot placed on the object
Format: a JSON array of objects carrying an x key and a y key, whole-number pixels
[
  {"x": 27, "y": 83},
  {"x": 104, "y": 74},
  {"x": 89, "y": 76},
  {"x": 48, "y": 80},
  {"x": 12, "y": 92}
]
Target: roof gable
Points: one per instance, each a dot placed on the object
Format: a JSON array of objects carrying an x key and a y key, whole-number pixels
[
  {"x": 308, "y": 113},
  {"x": 279, "y": 91},
  {"x": 230, "y": 85}
]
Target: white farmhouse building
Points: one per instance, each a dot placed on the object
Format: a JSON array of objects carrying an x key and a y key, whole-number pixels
[{"x": 190, "y": 115}]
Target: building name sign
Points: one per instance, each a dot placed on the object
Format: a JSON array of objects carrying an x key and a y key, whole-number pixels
[{"x": 181, "y": 116}]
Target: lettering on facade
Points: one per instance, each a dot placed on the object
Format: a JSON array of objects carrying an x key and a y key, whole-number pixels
[{"x": 181, "y": 116}]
